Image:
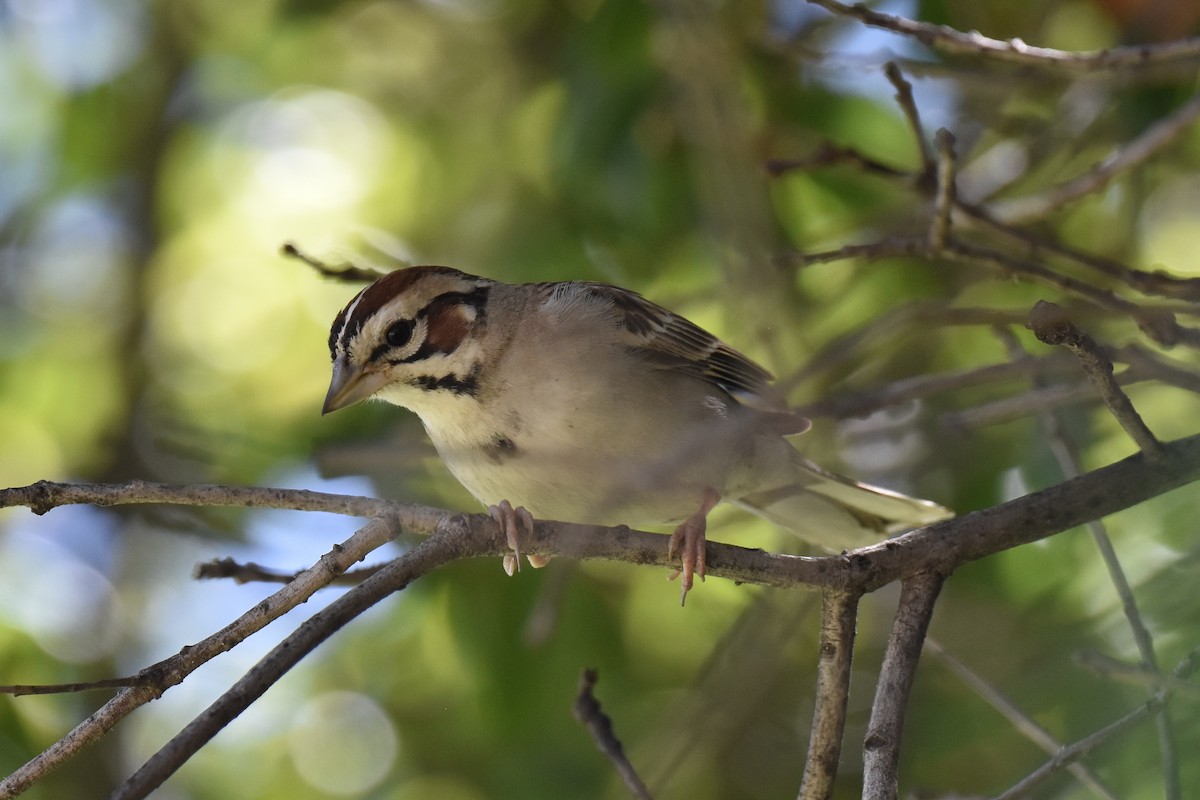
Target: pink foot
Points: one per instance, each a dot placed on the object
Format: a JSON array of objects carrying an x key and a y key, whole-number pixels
[
  {"x": 688, "y": 539},
  {"x": 510, "y": 521}
]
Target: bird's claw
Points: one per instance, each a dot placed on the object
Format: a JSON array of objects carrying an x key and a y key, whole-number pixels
[{"x": 511, "y": 520}]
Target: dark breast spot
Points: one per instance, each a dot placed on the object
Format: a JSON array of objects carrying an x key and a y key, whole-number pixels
[{"x": 500, "y": 449}]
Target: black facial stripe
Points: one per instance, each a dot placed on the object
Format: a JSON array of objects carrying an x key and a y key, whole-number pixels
[
  {"x": 476, "y": 299},
  {"x": 468, "y": 385},
  {"x": 383, "y": 347},
  {"x": 370, "y": 300},
  {"x": 341, "y": 334},
  {"x": 420, "y": 354}
]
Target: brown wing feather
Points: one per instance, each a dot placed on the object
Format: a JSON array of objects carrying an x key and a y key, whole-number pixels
[{"x": 668, "y": 338}]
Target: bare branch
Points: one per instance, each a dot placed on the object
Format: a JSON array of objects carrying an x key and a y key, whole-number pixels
[
  {"x": 881, "y": 748},
  {"x": 940, "y": 547},
  {"x": 830, "y": 155},
  {"x": 904, "y": 98},
  {"x": 227, "y": 568},
  {"x": 1136, "y": 674},
  {"x": 1157, "y": 283},
  {"x": 1158, "y": 325},
  {"x": 1070, "y": 464},
  {"x": 839, "y": 613},
  {"x": 1124, "y": 158},
  {"x": 159, "y": 677},
  {"x": 588, "y": 713},
  {"x": 863, "y": 402},
  {"x": 454, "y": 540},
  {"x": 1018, "y": 407},
  {"x": 19, "y": 689},
  {"x": 1015, "y": 51},
  {"x": 83, "y": 734},
  {"x": 945, "y": 194},
  {"x": 345, "y": 271},
  {"x": 1147, "y": 365},
  {"x": 1052, "y": 326},
  {"x": 42, "y": 496},
  {"x": 1028, "y": 727},
  {"x": 891, "y": 247},
  {"x": 1083, "y": 747}
]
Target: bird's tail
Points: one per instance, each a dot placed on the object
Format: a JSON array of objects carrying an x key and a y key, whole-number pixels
[{"x": 837, "y": 513}]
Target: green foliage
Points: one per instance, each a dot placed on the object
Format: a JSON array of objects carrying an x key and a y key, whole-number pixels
[{"x": 149, "y": 328}]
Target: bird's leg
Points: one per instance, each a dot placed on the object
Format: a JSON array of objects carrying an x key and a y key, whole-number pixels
[
  {"x": 688, "y": 539},
  {"x": 510, "y": 520}
]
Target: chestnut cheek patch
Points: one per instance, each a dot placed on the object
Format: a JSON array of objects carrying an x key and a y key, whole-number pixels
[{"x": 448, "y": 324}]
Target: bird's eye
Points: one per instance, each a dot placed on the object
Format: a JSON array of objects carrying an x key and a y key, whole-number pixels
[{"x": 399, "y": 333}]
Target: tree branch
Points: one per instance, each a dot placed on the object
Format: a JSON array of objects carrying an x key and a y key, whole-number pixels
[
  {"x": 1125, "y": 157},
  {"x": 939, "y": 547},
  {"x": 157, "y": 678},
  {"x": 588, "y": 713},
  {"x": 454, "y": 540},
  {"x": 839, "y": 614},
  {"x": 1051, "y": 325},
  {"x": 1027, "y": 726},
  {"x": 1073, "y": 752},
  {"x": 881, "y": 748},
  {"x": 1015, "y": 51}
]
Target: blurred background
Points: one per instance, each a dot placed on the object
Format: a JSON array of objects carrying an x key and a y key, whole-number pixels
[{"x": 155, "y": 156}]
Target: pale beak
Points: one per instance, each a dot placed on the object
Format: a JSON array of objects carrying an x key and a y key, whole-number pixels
[{"x": 349, "y": 385}]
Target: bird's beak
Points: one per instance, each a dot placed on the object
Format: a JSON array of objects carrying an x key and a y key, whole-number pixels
[{"x": 349, "y": 385}]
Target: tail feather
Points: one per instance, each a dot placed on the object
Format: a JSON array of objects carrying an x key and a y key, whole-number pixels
[{"x": 837, "y": 513}]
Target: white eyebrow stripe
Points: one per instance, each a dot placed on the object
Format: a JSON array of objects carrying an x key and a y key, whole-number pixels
[{"x": 349, "y": 315}]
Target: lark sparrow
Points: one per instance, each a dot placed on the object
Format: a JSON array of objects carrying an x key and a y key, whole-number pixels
[{"x": 587, "y": 403}]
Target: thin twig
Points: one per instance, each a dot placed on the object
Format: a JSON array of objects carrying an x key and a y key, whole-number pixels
[
  {"x": 1147, "y": 365},
  {"x": 1028, "y": 727},
  {"x": 939, "y": 547},
  {"x": 865, "y": 401},
  {"x": 1135, "y": 674},
  {"x": 1015, "y": 51},
  {"x": 588, "y": 713},
  {"x": 942, "y": 546},
  {"x": 912, "y": 318},
  {"x": 79, "y": 737},
  {"x": 159, "y": 677},
  {"x": 1157, "y": 283},
  {"x": 881, "y": 748},
  {"x": 829, "y": 155},
  {"x": 227, "y": 568},
  {"x": 454, "y": 541},
  {"x": 1124, "y": 158},
  {"x": 839, "y": 612},
  {"x": 1050, "y": 325},
  {"x": 1071, "y": 465},
  {"x": 343, "y": 272},
  {"x": 42, "y": 496},
  {"x": 943, "y": 198},
  {"x": 1019, "y": 406},
  {"x": 904, "y": 98},
  {"x": 19, "y": 689},
  {"x": 890, "y": 247},
  {"x": 1159, "y": 326},
  {"x": 1081, "y": 748}
]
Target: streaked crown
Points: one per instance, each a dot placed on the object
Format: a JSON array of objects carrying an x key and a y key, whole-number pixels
[{"x": 404, "y": 328}]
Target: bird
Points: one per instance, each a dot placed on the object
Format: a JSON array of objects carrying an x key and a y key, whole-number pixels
[{"x": 585, "y": 402}]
